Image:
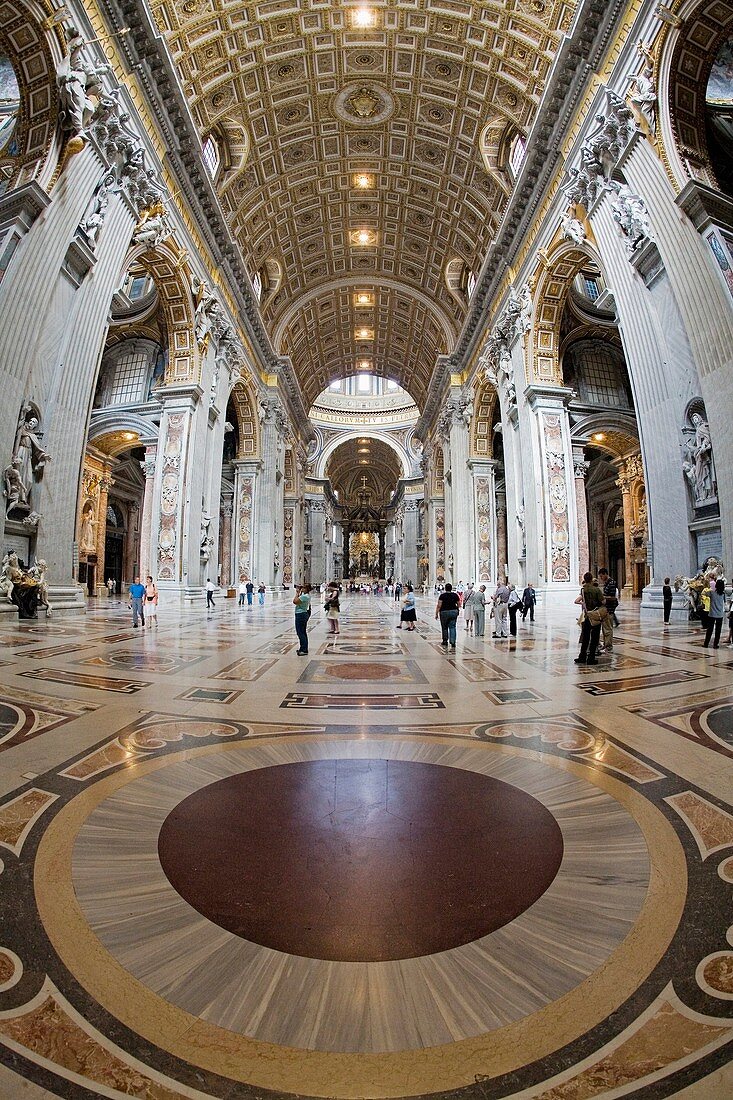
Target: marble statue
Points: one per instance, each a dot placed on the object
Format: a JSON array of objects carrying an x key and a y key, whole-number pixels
[
  {"x": 154, "y": 226},
  {"x": 698, "y": 466},
  {"x": 203, "y": 301},
  {"x": 94, "y": 220},
  {"x": 87, "y": 538},
  {"x": 644, "y": 89},
  {"x": 630, "y": 214},
  {"x": 78, "y": 80},
  {"x": 572, "y": 228},
  {"x": 38, "y": 573},
  {"x": 11, "y": 574},
  {"x": 15, "y": 491},
  {"x": 29, "y": 457}
]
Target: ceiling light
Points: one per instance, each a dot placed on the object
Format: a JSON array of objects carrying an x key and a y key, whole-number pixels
[
  {"x": 363, "y": 298},
  {"x": 363, "y": 181},
  {"x": 363, "y": 17},
  {"x": 365, "y": 364},
  {"x": 362, "y": 238},
  {"x": 365, "y": 334},
  {"x": 362, "y": 441},
  {"x": 599, "y": 437},
  {"x": 129, "y": 435}
]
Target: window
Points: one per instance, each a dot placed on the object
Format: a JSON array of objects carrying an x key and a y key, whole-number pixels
[
  {"x": 257, "y": 285},
  {"x": 131, "y": 372},
  {"x": 336, "y": 387},
  {"x": 363, "y": 383},
  {"x": 591, "y": 287},
  {"x": 9, "y": 100},
  {"x": 600, "y": 374},
  {"x": 211, "y": 155},
  {"x": 391, "y": 386},
  {"x": 470, "y": 283},
  {"x": 137, "y": 287},
  {"x": 517, "y": 154}
]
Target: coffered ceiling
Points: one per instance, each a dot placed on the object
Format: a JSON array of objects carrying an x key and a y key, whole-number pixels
[
  {"x": 313, "y": 106},
  {"x": 364, "y": 465}
]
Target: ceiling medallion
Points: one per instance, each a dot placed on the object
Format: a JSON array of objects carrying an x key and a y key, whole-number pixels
[{"x": 364, "y": 104}]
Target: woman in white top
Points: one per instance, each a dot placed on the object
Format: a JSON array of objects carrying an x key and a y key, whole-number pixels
[{"x": 468, "y": 607}]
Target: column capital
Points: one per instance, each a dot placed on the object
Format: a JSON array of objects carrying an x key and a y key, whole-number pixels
[
  {"x": 180, "y": 397},
  {"x": 548, "y": 397}
]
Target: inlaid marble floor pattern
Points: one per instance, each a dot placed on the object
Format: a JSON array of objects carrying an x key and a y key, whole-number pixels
[{"x": 379, "y": 870}]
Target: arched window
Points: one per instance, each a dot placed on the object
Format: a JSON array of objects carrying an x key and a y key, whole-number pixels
[
  {"x": 516, "y": 154},
  {"x": 211, "y": 155},
  {"x": 719, "y": 115},
  {"x": 9, "y": 103}
]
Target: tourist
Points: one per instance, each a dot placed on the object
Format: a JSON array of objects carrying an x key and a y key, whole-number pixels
[
  {"x": 261, "y": 593},
  {"x": 137, "y": 594},
  {"x": 703, "y": 606},
  {"x": 209, "y": 593},
  {"x": 151, "y": 600},
  {"x": 610, "y": 593},
  {"x": 242, "y": 591},
  {"x": 513, "y": 605},
  {"x": 666, "y": 599},
  {"x": 409, "y": 611},
  {"x": 249, "y": 589},
  {"x": 479, "y": 610},
  {"x": 467, "y": 606},
  {"x": 302, "y": 603},
  {"x": 529, "y": 602},
  {"x": 398, "y": 590},
  {"x": 332, "y": 607},
  {"x": 447, "y": 611},
  {"x": 594, "y": 611},
  {"x": 111, "y": 587},
  {"x": 717, "y": 614},
  {"x": 730, "y": 623},
  {"x": 501, "y": 610}
]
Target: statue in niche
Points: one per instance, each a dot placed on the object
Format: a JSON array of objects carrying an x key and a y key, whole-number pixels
[
  {"x": 29, "y": 457},
  {"x": 630, "y": 214},
  {"x": 698, "y": 465},
  {"x": 154, "y": 226},
  {"x": 87, "y": 537}
]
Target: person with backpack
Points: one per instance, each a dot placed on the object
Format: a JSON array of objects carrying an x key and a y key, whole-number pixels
[{"x": 610, "y": 602}]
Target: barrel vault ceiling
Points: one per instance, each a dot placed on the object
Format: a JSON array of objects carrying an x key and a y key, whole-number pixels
[
  {"x": 364, "y": 465},
  {"x": 311, "y": 106}
]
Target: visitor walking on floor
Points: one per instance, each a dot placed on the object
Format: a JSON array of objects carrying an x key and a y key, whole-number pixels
[
  {"x": 151, "y": 600},
  {"x": 730, "y": 623},
  {"x": 666, "y": 599},
  {"x": 513, "y": 605},
  {"x": 468, "y": 598},
  {"x": 332, "y": 607},
  {"x": 408, "y": 614},
  {"x": 302, "y": 603},
  {"x": 501, "y": 610},
  {"x": 249, "y": 588},
  {"x": 242, "y": 592},
  {"x": 610, "y": 600},
  {"x": 111, "y": 585},
  {"x": 594, "y": 611},
  {"x": 479, "y": 610},
  {"x": 716, "y": 615},
  {"x": 209, "y": 594},
  {"x": 137, "y": 594},
  {"x": 261, "y": 593},
  {"x": 447, "y": 611},
  {"x": 529, "y": 602}
]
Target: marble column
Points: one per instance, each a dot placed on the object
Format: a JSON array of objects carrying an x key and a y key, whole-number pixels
[
  {"x": 580, "y": 469},
  {"x": 105, "y": 484},
  {"x": 246, "y": 474},
  {"x": 462, "y": 511},
  {"x": 132, "y": 545},
  {"x": 382, "y": 550},
  {"x": 557, "y": 543},
  {"x": 624, "y": 484},
  {"x": 485, "y": 526},
  {"x": 268, "y": 530},
  {"x": 146, "y": 526},
  {"x": 227, "y": 508},
  {"x": 598, "y": 535},
  {"x": 502, "y": 549}
]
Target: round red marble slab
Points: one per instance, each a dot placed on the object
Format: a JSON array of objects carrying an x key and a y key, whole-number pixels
[{"x": 360, "y": 860}]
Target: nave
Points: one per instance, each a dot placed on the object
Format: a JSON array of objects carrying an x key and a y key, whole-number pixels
[{"x": 379, "y": 870}]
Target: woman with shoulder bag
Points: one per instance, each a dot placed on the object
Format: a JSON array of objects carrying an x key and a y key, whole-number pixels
[
  {"x": 151, "y": 601},
  {"x": 332, "y": 607},
  {"x": 408, "y": 614},
  {"x": 592, "y": 601}
]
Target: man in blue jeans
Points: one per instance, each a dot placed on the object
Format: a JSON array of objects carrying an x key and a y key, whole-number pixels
[
  {"x": 137, "y": 593},
  {"x": 447, "y": 610}
]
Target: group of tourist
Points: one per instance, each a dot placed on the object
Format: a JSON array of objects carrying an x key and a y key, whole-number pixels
[
  {"x": 710, "y": 609},
  {"x": 505, "y": 605},
  {"x": 143, "y": 601},
  {"x": 598, "y": 599}
]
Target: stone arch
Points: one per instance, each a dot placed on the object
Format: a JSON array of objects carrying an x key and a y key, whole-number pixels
[
  {"x": 34, "y": 54},
  {"x": 686, "y": 62},
  {"x": 345, "y": 437},
  {"x": 163, "y": 265},
  {"x": 482, "y": 424},
  {"x": 553, "y": 282},
  {"x": 247, "y": 420}
]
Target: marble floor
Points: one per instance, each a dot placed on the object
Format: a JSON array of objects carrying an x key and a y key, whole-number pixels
[{"x": 489, "y": 873}]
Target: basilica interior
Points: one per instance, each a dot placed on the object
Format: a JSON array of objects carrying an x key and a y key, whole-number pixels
[{"x": 368, "y": 293}]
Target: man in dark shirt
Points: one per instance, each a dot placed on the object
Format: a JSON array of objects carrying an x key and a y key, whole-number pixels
[
  {"x": 591, "y": 599},
  {"x": 250, "y": 592},
  {"x": 137, "y": 592},
  {"x": 447, "y": 611},
  {"x": 529, "y": 600}
]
